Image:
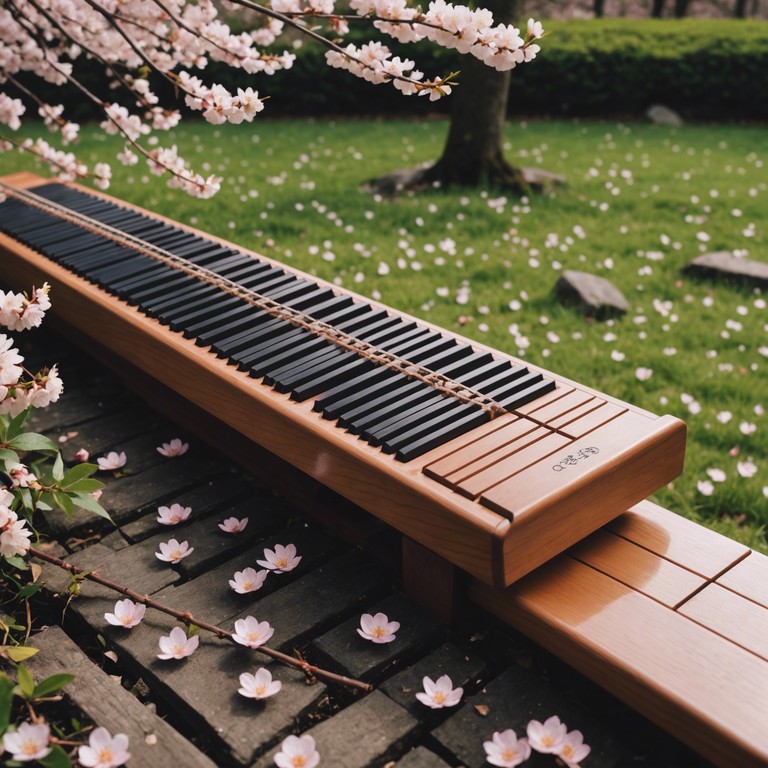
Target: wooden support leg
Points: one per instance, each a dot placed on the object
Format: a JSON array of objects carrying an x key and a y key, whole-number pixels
[{"x": 429, "y": 579}]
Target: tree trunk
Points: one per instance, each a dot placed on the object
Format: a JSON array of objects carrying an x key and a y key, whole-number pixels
[
  {"x": 681, "y": 8},
  {"x": 657, "y": 9},
  {"x": 740, "y": 12},
  {"x": 474, "y": 150},
  {"x": 598, "y": 8}
]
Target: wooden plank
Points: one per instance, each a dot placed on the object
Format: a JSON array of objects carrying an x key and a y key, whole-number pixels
[
  {"x": 562, "y": 405},
  {"x": 678, "y": 540},
  {"x": 511, "y": 700},
  {"x": 575, "y": 413},
  {"x": 152, "y": 741},
  {"x": 350, "y": 740},
  {"x": 749, "y": 578},
  {"x": 706, "y": 690},
  {"x": 465, "y": 670},
  {"x": 589, "y": 421},
  {"x": 502, "y": 435},
  {"x": 343, "y": 649},
  {"x": 732, "y": 616},
  {"x": 638, "y": 568},
  {"x": 429, "y": 579}
]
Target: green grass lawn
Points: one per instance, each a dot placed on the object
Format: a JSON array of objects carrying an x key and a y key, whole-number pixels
[{"x": 640, "y": 203}]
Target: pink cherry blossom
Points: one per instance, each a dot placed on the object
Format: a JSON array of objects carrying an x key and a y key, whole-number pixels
[
  {"x": 440, "y": 693},
  {"x": 297, "y": 751},
  {"x": 746, "y": 468},
  {"x": 14, "y": 535},
  {"x": 251, "y": 632},
  {"x": 248, "y": 580},
  {"x": 28, "y": 742},
  {"x": 172, "y": 515},
  {"x": 506, "y": 750},
  {"x": 705, "y": 488},
  {"x": 280, "y": 560},
  {"x": 377, "y": 628},
  {"x": 172, "y": 551},
  {"x": 233, "y": 525},
  {"x": 716, "y": 475},
  {"x": 177, "y": 645},
  {"x": 112, "y": 461},
  {"x": 82, "y": 455},
  {"x": 175, "y": 448},
  {"x": 547, "y": 737},
  {"x": 259, "y": 685},
  {"x": 126, "y": 614},
  {"x": 573, "y": 749},
  {"x": 104, "y": 750}
]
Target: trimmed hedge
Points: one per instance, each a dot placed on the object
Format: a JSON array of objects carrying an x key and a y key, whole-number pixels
[{"x": 705, "y": 69}]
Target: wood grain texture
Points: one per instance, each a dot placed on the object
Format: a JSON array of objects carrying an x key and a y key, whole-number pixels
[
  {"x": 749, "y": 578},
  {"x": 732, "y": 616},
  {"x": 678, "y": 540},
  {"x": 637, "y": 568}
]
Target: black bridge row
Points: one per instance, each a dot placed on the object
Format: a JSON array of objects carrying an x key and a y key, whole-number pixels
[{"x": 404, "y": 416}]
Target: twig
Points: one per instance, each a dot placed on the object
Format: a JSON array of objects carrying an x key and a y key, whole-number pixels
[{"x": 188, "y": 619}]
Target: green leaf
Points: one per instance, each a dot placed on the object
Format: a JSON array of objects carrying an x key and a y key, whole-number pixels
[
  {"x": 56, "y": 758},
  {"x": 77, "y": 472},
  {"x": 14, "y": 428},
  {"x": 86, "y": 501},
  {"x": 86, "y": 485},
  {"x": 19, "y": 653},
  {"x": 26, "y": 681},
  {"x": 29, "y": 590},
  {"x": 64, "y": 502},
  {"x": 52, "y": 684},
  {"x": 6, "y": 454},
  {"x": 17, "y": 562},
  {"x": 58, "y": 468},
  {"x": 6, "y": 700},
  {"x": 32, "y": 441}
]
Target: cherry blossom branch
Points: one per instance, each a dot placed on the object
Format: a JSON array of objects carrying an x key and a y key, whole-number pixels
[{"x": 187, "y": 618}]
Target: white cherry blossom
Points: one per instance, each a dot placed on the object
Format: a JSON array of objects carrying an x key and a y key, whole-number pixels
[
  {"x": 126, "y": 614},
  {"x": 259, "y": 685},
  {"x": 112, "y": 461},
  {"x": 173, "y": 515},
  {"x": 280, "y": 560},
  {"x": 175, "y": 447},
  {"x": 573, "y": 749},
  {"x": 297, "y": 752},
  {"x": 547, "y": 737},
  {"x": 377, "y": 628},
  {"x": 104, "y": 750},
  {"x": 177, "y": 645},
  {"x": 439, "y": 693},
  {"x": 173, "y": 551},
  {"x": 251, "y": 632},
  {"x": 506, "y": 750},
  {"x": 233, "y": 525},
  {"x": 28, "y": 742},
  {"x": 247, "y": 580}
]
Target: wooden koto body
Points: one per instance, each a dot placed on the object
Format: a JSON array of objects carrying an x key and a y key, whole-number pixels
[{"x": 497, "y": 501}]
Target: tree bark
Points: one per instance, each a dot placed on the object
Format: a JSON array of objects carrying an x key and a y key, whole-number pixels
[
  {"x": 681, "y": 8},
  {"x": 474, "y": 150},
  {"x": 598, "y": 8},
  {"x": 657, "y": 9},
  {"x": 740, "y": 11}
]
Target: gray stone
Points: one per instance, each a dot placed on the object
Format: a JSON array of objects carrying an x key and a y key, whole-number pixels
[
  {"x": 421, "y": 757},
  {"x": 152, "y": 741},
  {"x": 345, "y": 650},
  {"x": 364, "y": 734},
  {"x": 596, "y": 296},
  {"x": 661, "y": 115},
  {"x": 726, "y": 266},
  {"x": 511, "y": 701},
  {"x": 465, "y": 671}
]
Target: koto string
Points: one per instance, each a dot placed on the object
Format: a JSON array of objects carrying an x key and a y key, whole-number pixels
[{"x": 442, "y": 383}]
